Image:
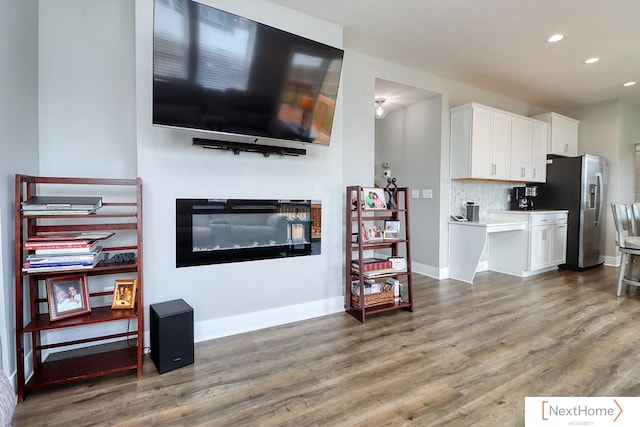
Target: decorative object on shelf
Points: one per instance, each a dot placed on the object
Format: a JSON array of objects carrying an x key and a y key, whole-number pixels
[
  {"x": 124, "y": 293},
  {"x": 391, "y": 230},
  {"x": 398, "y": 263},
  {"x": 68, "y": 296},
  {"x": 381, "y": 108},
  {"x": 373, "y": 198},
  {"x": 374, "y": 232},
  {"x": 391, "y": 190},
  {"x": 121, "y": 258}
]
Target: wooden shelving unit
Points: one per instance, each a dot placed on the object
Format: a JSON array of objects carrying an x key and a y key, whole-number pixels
[
  {"x": 355, "y": 244},
  {"x": 124, "y": 218}
]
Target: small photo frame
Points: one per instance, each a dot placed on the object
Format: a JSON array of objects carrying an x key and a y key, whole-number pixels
[
  {"x": 124, "y": 294},
  {"x": 363, "y": 233},
  {"x": 68, "y": 296},
  {"x": 374, "y": 198},
  {"x": 391, "y": 230},
  {"x": 374, "y": 232}
]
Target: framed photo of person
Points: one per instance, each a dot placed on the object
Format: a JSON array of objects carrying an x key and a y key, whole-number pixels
[
  {"x": 68, "y": 296},
  {"x": 124, "y": 294},
  {"x": 374, "y": 232},
  {"x": 391, "y": 230},
  {"x": 374, "y": 198}
]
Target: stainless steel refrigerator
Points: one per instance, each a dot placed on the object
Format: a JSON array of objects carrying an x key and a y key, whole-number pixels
[{"x": 578, "y": 184}]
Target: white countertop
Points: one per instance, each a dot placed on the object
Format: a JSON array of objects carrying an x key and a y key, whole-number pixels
[
  {"x": 531, "y": 212},
  {"x": 494, "y": 225}
]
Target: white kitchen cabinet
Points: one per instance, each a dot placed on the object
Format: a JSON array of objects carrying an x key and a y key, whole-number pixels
[
  {"x": 562, "y": 134},
  {"x": 528, "y": 150},
  {"x": 480, "y": 143},
  {"x": 546, "y": 241}
]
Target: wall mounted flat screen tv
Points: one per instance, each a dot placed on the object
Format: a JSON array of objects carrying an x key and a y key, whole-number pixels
[{"x": 242, "y": 80}]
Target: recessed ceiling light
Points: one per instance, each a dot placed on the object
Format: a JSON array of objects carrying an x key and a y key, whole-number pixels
[
  {"x": 592, "y": 60},
  {"x": 627, "y": 84},
  {"x": 555, "y": 38}
]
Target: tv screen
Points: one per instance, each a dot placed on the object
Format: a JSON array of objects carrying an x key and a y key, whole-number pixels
[{"x": 219, "y": 72}]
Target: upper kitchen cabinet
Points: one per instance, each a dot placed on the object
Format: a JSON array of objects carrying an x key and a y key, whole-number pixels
[
  {"x": 487, "y": 143},
  {"x": 562, "y": 134},
  {"x": 480, "y": 143},
  {"x": 528, "y": 150}
]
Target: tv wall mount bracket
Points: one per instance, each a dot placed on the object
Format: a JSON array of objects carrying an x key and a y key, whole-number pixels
[{"x": 238, "y": 147}]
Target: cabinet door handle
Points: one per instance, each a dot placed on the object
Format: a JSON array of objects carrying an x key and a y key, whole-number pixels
[
  {"x": 493, "y": 169},
  {"x": 522, "y": 170},
  {"x": 544, "y": 234},
  {"x": 566, "y": 148},
  {"x": 534, "y": 172}
]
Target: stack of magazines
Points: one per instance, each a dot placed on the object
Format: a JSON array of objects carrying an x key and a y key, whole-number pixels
[{"x": 59, "y": 252}]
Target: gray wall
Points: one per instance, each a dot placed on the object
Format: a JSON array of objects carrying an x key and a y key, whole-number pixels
[
  {"x": 409, "y": 138},
  {"x": 18, "y": 141}
]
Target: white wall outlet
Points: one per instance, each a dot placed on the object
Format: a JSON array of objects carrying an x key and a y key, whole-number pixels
[
  {"x": 427, "y": 194},
  {"x": 386, "y": 165},
  {"x": 415, "y": 194},
  {"x": 387, "y": 173}
]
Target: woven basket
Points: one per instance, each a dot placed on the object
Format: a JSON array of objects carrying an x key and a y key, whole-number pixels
[{"x": 379, "y": 298}]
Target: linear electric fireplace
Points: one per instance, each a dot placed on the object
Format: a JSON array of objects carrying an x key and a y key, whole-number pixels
[{"x": 214, "y": 231}]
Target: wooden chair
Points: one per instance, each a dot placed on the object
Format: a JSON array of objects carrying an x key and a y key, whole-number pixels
[{"x": 628, "y": 244}]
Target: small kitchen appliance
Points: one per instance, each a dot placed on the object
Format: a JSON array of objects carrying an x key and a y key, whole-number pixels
[{"x": 522, "y": 198}]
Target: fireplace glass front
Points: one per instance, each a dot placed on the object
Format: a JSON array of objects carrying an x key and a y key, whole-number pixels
[{"x": 214, "y": 231}]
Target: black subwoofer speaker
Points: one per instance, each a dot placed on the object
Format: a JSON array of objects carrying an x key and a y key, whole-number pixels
[{"x": 171, "y": 335}]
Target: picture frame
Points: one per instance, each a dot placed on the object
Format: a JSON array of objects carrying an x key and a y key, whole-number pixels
[
  {"x": 374, "y": 199},
  {"x": 363, "y": 233},
  {"x": 374, "y": 232},
  {"x": 124, "y": 294},
  {"x": 67, "y": 296},
  {"x": 391, "y": 230}
]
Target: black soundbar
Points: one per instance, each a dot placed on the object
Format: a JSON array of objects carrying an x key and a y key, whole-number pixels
[{"x": 237, "y": 147}]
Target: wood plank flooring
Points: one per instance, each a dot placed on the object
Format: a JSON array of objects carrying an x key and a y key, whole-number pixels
[{"x": 468, "y": 355}]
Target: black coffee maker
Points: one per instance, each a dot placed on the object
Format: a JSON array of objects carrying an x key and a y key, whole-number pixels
[{"x": 522, "y": 198}]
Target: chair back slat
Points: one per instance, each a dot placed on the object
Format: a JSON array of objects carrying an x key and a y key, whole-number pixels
[{"x": 622, "y": 222}]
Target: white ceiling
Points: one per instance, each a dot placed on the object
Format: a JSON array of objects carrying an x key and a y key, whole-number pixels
[{"x": 500, "y": 45}]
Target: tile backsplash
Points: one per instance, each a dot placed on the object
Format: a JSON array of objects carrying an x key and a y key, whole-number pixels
[{"x": 489, "y": 195}]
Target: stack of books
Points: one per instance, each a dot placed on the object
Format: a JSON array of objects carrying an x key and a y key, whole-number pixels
[
  {"x": 370, "y": 287},
  {"x": 373, "y": 267},
  {"x": 59, "y": 252},
  {"x": 56, "y": 205}
]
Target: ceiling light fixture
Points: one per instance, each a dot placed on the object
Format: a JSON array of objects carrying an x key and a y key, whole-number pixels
[
  {"x": 381, "y": 108},
  {"x": 627, "y": 84},
  {"x": 555, "y": 38},
  {"x": 592, "y": 60}
]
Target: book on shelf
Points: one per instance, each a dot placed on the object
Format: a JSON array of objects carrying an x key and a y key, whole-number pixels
[
  {"x": 59, "y": 212},
  {"x": 378, "y": 273},
  {"x": 68, "y": 250},
  {"x": 71, "y": 236},
  {"x": 59, "y": 244},
  {"x": 396, "y": 288},
  {"x": 62, "y": 203},
  {"x": 60, "y": 267},
  {"x": 41, "y": 260},
  {"x": 376, "y": 264}
]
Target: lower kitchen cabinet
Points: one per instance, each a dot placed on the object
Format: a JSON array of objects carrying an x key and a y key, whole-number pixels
[{"x": 546, "y": 238}]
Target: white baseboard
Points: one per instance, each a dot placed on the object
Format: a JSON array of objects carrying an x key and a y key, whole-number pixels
[
  {"x": 217, "y": 328},
  {"x": 427, "y": 270},
  {"x": 613, "y": 261}
]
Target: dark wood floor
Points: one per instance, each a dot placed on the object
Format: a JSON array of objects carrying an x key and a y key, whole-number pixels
[{"x": 467, "y": 355}]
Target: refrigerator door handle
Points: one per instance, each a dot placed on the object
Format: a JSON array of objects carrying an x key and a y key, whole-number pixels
[{"x": 600, "y": 197}]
